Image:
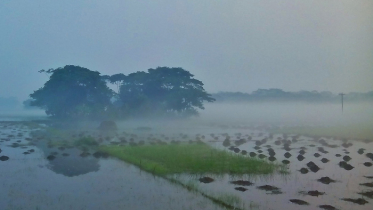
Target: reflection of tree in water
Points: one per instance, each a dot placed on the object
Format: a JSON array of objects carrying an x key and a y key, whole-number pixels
[{"x": 71, "y": 165}]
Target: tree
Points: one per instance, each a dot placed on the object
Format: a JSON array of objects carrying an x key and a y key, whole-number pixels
[
  {"x": 73, "y": 91},
  {"x": 170, "y": 90}
]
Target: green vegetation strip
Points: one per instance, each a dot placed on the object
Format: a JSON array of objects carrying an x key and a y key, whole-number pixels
[
  {"x": 358, "y": 132},
  {"x": 188, "y": 158}
]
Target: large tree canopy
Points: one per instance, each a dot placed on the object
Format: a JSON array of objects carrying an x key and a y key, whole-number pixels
[
  {"x": 171, "y": 90},
  {"x": 73, "y": 91}
]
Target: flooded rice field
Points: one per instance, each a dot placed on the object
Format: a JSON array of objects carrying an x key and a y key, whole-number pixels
[{"x": 40, "y": 172}]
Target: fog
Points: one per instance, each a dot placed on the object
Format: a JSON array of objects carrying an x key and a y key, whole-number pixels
[
  {"x": 287, "y": 113},
  {"x": 124, "y": 84}
]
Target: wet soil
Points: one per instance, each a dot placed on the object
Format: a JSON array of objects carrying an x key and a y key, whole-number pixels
[
  {"x": 370, "y": 184},
  {"x": 299, "y": 202},
  {"x": 315, "y": 193},
  {"x": 242, "y": 183},
  {"x": 326, "y": 180},
  {"x": 328, "y": 207},
  {"x": 4, "y": 158},
  {"x": 242, "y": 189},
  {"x": 368, "y": 194},
  {"x": 359, "y": 201},
  {"x": 206, "y": 180},
  {"x": 268, "y": 188}
]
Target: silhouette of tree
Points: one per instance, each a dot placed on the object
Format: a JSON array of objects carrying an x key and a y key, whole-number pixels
[
  {"x": 164, "y": 89},
  {"x": 73, "y": 91}
]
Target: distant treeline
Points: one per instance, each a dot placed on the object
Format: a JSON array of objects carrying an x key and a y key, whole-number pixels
[{"x": 278, "y": 95}]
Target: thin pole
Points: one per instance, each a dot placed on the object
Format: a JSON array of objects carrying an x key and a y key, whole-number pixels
[{"x": 342, "y": 94}]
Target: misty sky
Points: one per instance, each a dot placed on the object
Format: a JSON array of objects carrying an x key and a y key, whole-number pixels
[{"x": 231, "y": 45}]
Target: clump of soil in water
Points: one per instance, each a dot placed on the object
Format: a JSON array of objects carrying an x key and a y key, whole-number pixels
[
  {"x": 369, "y": 155},
  {"x": 324, "y": 160},
  {"x": 368, "y": 194},
  {"x": 361, "y": 151},
  {"x": 242, "y": 189},
  {"x": 261, "y": 156},
  {"x": 252, "y": 154},
  {"x": 328, "y": 207},
  {"x": 300, "y": 157},
  {"x": 345, "y": 165},
  {"x": 368, "y": 164},
  {"x": 4, "y": 158},
  {"x": 240, "y": 142},
  {"x": 271, "y": 153},
  {"x": 206, "y": 180},
  {"x": 326, "y": 180},
  {"x": 287, "y": 154},
  {"x": 322, "y": 150},
  {"x": 302, "y": 152},
  {"x": 256, "y": 147},
  {"x": 313, "y": 167},
  {"x": 315, "y": 193},
  {"x": 369, "y": 177},
  {"x": 316, "y": 155},
  {"x": 268, "y": 188},
  {"x": 359, "y": 201},
  {"x": 242, "y": 182},
  {"x": 338, "y": 155},
  {"x": 346, "y": 145},
  {"x": 346, "y": 158},
  {"x": 367, "y": 184},
  {"x": 236, "y": 150},
  {"x": 271, "y": 158},
  {"x": 244, "y": 152},
  {"x": 226, "y": 143},
  {"x": 299, "y": 202},
  {"x": 285, "y": 161},
  {"x": 51, "y": 157},
  {"x": 303, "y": 170}
]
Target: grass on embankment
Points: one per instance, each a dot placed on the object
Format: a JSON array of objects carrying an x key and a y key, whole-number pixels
[
  {"x": 357, "y": 131},
  {"x": 188, "y": 158}
]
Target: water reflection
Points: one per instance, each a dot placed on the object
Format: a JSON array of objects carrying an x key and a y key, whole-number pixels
[{"x": 70, "y": 163}]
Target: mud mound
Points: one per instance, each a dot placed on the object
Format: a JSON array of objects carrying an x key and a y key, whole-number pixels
[
  {"x": 242, "y": 189},
  {"x": 326, "y": 180},
  {"x": 328, "y": 207},
  {"x": 206, "y": 180},
  {"x": 242, "y": 183},
  {"x": 268, "y": 188},
  {"x": 359, "y": 201},
  {"x": 370, "y": 184},
  {"x": 4, "y": 158},
  {"x": 368, "y": 194},
  {"x": 299, "y": 202}
]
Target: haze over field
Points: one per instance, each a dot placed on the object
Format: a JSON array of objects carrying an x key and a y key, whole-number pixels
[{"x": 229, "y": 45}]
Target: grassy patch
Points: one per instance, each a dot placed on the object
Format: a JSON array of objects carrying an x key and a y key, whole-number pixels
[
  {"x": 358, "y": 131},
  {"x": 86, "y": 141},
  {"x": 188, "y": 158}
]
